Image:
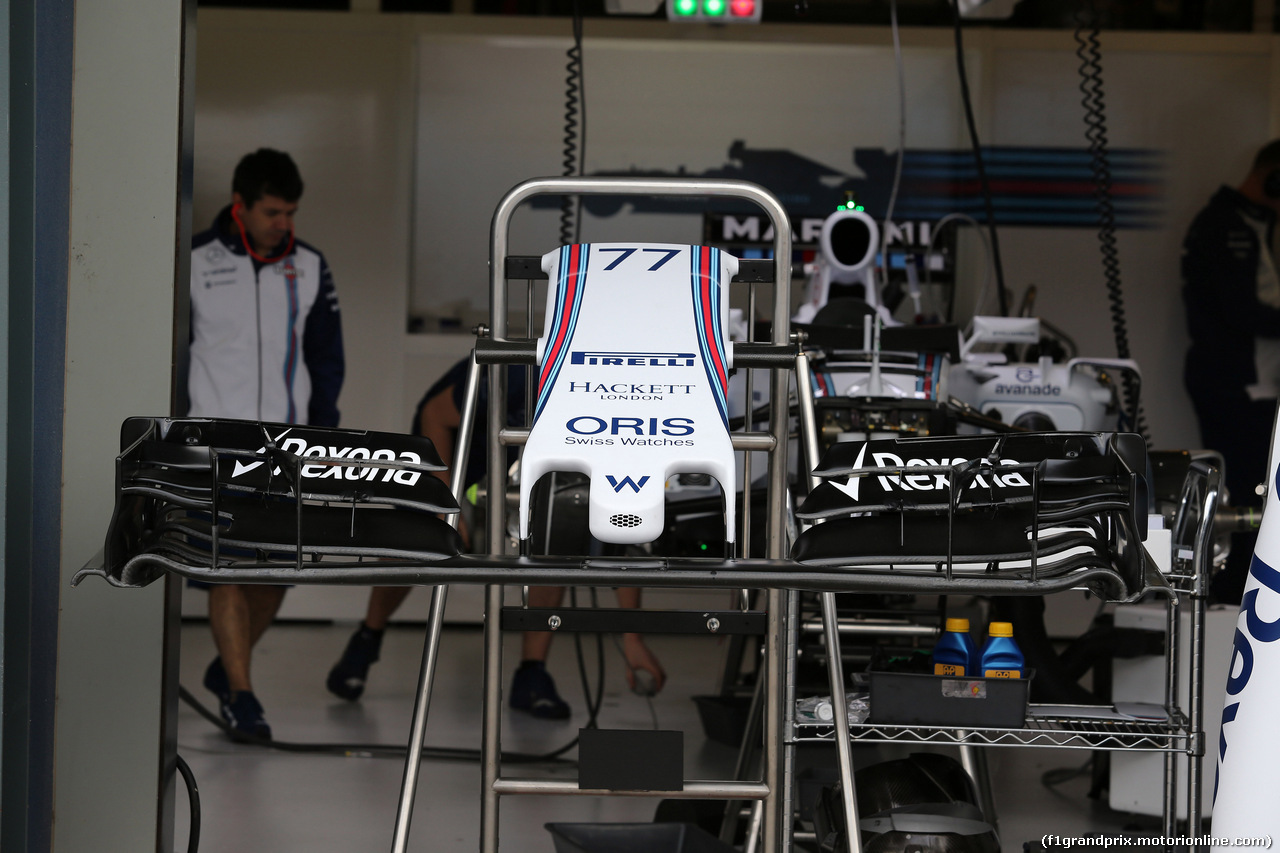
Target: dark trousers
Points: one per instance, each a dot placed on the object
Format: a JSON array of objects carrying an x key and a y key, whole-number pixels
[{"x": 1240, "y": 429}]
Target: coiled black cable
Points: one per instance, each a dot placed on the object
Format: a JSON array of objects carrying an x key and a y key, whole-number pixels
[
  {"x": 987, "y": 205},
  {"x": 1089, "y": 51},
  {"x": 575, "y": 131}
]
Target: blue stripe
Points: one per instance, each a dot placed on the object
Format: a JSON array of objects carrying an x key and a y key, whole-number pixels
[
  {"x": 556, "y": 320},
  {"x": 708, "y": 364},
  {"x": 718, "y": 329},
  {"x": 571, "y": 318},
  {"x": 1048, "y": 218},
  {"x": 1033, "y": 203},
  {"x": 291, "y": 365},
  {"x": 1144, "y": 174},
  {"x": 1007, "y": 155}
]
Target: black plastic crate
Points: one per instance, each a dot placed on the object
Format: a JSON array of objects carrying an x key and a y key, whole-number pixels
[
  {"x": 900, "y": 698},
  {"x": 634, "y": 838}
]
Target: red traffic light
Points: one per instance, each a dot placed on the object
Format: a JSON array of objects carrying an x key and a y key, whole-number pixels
[{"x": 742, "y": 8}]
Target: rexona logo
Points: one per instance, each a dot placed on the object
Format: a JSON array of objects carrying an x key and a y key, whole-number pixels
[
  {"x": 634, "y": 359},
  {"x": 300, "y": 447},
  {"x": 618, "y": 485},
  {"x": 925, "y": 482}
]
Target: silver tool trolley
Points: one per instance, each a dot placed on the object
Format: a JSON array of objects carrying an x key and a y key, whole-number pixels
[
  {"x": 243, "y": 502},
  {"x": 1119, "y": 570}
]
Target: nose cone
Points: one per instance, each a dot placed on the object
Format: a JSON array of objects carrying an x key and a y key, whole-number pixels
[{"x": 627, "y": 510}]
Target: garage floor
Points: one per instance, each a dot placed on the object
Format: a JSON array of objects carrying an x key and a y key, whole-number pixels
[{"x": 255, "y": 799}]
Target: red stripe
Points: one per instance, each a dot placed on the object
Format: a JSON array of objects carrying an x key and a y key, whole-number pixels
[
  {"x": 1018, "y": 187},
  {"x": 571, "y": 285},
  {"x": 704, "y": 263}
]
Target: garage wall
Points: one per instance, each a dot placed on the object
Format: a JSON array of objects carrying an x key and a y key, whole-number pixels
[
  {"x": 112, "y": 792},
  {"x": 409, "y": 128},
  {"x": 338, "y": 96}
]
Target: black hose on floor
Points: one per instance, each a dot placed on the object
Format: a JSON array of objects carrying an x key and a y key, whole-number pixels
[{"x": 193, "y": 797}]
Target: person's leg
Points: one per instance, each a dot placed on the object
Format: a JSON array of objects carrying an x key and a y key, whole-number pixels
[
  {"x": 348, "y": 676},
  {"x": 238, "y": 616},
  {"x": 532, "y": 688},
  {"x": 229, "y": 619},
  {"x": 534, "y": 645},
  {"x": 383, "y": 602},
  {"x": 264, "y": 603},
  {"x": 1239, "y": 429}
]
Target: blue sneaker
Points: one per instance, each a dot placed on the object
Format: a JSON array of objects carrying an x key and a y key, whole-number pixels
[
  {"x": 215, "y": 681},
  {"x": 243, "y": 712},
  {"x": 534, "y": 691},
  {"x": 348, "y": 675}
]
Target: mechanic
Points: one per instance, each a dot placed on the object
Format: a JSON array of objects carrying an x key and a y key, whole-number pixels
[
  {"x": 266, "y": 345},
  {"x": 533, "y": 690},
  {"x": 1232, "y": 295}
]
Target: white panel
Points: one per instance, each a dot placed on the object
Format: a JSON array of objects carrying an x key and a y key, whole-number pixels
[
  {"x": 340, "y": 101},
  {"x": 119, "y": 339},
  {"x": 491, "y": 115}
]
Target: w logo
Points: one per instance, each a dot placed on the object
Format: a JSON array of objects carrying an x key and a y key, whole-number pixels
[{"x": 626, "y": 481}]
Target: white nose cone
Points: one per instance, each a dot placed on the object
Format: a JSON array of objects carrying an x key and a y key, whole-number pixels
[
  {"x": 1247, "y": 797},
  {"x": 633, "y": 375}
]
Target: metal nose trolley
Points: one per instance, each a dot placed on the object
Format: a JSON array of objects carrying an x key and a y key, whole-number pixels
[{"x": 779, "y": 354}]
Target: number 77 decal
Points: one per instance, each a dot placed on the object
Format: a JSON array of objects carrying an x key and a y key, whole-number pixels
[{"x": 667, "y": 254}]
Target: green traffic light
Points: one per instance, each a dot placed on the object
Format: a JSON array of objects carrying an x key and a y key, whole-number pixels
[
  {"x": 686, "y": 7},
  {"x": 713, "y": 8}
]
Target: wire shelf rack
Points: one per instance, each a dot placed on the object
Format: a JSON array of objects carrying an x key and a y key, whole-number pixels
[{"x": 1041, "y": 730}]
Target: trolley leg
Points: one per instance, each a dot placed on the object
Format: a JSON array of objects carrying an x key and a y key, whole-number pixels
[
  {"x": 790, "y": 654},
  {"x": 418, "y": 730},
  {"x": 491, "y": 745},
  {"x": 748, "y": 754},
  {"x": 1195, "y": 756},
  {"x": 775, "y": 822},
  {"x": 840, "y": 708},
  {"x": 974, "y": 761},
  {"x": 752, "y": 843},
  {"x": 1171, "y": 702}
]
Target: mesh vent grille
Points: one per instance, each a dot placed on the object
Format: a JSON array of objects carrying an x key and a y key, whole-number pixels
[{"x": 625, "y": 520}]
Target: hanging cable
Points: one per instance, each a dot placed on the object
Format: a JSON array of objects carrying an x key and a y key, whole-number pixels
[
  {"x": 988, "y": 207},
  {"x": 987, "y": 267},
  {"x": 902, "y": 146},
  {"x": 575, "y": 131},
  {"x": 1089, "y": 51}
]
